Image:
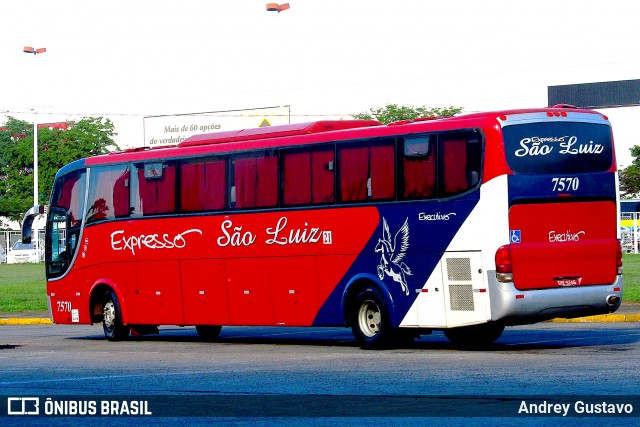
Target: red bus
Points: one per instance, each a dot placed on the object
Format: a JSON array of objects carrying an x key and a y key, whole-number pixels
[{"x": 465, "y": 224}]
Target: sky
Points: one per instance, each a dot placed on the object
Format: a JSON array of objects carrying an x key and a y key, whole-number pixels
[{"x": 325, "y": 59}]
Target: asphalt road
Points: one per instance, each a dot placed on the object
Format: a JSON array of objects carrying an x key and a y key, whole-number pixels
[{"x": 543, "y": 360}]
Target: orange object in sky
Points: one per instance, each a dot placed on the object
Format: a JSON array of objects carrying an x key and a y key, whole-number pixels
[{"x": 275, "y": 7}]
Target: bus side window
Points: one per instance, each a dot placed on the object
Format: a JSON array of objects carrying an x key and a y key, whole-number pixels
[
  {"x": 383, "y": 172},
  {"x": 419, "y": 164},
  {"x": 367, "y": 172},
  {"x": 354, "y": 173},
  {"x": 255, "y": 180},
  {"x": 461, "y": 154},
  {"x": 323, "y": 176},
  {"x": 308, "y": 177},
  {"x": 454, "y": 158},
  {"x": 108, "y": 194},
  {"x": 156, "y": 188},
  {"x": 202, "y": 184},
  {"x": 296, "y": 180}
]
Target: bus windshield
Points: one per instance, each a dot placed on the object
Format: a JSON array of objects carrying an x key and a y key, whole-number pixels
[{"x": 558, "y": 147}]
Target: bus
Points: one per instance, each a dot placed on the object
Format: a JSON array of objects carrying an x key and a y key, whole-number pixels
[{"x": 465, "y": 224}]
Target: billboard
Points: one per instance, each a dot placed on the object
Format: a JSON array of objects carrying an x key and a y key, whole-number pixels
[
  {"x": 173, "y": 129},
  {"x": 624, "y": 93}
]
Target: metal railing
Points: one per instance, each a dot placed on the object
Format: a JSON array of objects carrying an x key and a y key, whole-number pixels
[
  {"x": 9, "y": 238},
  {"x": 630, "y": 221}
]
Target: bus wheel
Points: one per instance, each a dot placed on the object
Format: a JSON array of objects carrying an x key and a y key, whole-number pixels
[
  {"x": 207, "y": 332},
  {"x": 112, "y": 325},
  {"x": 370, "y": 320},
  {"x": 475, "y": 335}
]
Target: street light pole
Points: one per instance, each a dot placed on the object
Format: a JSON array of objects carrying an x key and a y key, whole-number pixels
[{"x": 29, "y": 49}]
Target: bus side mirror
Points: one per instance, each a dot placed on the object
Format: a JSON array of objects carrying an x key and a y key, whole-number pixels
[{"x": 27, "y": 221}]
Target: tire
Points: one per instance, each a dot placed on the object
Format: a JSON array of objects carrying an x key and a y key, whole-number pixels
[
  {"x": 112, "y": 325},
  {"x": 370, "y": 320},
  {"x": 476, "y": 335},
  {"x": 208, "y": 333}
]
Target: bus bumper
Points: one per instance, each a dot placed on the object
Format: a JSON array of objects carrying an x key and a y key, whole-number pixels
[{"x": 515, "y": 307}]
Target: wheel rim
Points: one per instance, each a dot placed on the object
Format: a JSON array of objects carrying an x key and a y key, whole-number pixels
[
  {"x": 369, "y": 318},
  {"x": 109, "y": 315}
]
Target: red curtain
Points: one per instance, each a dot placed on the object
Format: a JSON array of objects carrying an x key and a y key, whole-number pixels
[
  {"x": 354, "y": 172},
  {"x": 455, "y": 166},
  {"x": 267, "y": 194},
  {"x": 203, "y": 185},
  {"x": 245, "y": 182},
  {"x": 382, "y": 172},
  {"x": 158, "y": 194},
  {"x": 419, "y": 176},
  {"x": 121, "y": 195},
  {"x": 322, "y": 179},
  {"x": 297, "y": 178}
]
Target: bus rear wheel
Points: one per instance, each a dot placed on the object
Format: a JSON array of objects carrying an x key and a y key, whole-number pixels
[
  {"x": 370, "y": 320},
  {"x": 112, "y": 325},
  {"x": 475, "y": 335},
  {"x": 208, "y": 332}
]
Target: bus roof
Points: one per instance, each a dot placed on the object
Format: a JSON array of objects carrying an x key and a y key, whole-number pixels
[
  {"x": 276, "y": 131},
  {"x": 310, "y": 132}
]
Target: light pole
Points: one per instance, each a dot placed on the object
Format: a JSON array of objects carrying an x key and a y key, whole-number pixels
[{"x": 29, "y": 49}]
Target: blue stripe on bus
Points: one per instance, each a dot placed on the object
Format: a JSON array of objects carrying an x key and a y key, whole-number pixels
[{"x": 431, "y": 228}]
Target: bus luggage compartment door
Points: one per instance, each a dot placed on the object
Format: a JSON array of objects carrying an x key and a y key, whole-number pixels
[
  {"x": 465, "y": 291},
  {"x": 455, "y": 294}
]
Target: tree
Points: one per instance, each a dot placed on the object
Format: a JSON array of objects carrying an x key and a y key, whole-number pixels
[
  {"x": 630, "y": 176},
  {"x": 56, "y": 147},
  {"x": 392, "y": 113}
]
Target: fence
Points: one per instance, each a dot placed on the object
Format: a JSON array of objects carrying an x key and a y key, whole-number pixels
[
  {"x": 9, "y": 238},
  {"x": 630, "y": 233}
]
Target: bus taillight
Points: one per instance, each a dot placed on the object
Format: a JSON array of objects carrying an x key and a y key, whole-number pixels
[
  {"x": 618, "y": 258},
  {"x": 504, "y": 271}
]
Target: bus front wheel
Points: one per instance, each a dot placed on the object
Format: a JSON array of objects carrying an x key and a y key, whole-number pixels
[
  {"x": 112, "y": 325},
  {"x": 370, "y": 320}
]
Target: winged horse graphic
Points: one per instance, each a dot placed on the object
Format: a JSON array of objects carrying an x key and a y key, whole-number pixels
[{"x": 392, "y": 254}]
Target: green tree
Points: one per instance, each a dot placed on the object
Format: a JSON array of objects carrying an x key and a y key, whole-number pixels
[
  {"x": 392, "y": 113},
  {"x": 56, "y": 147},
  {"x": 630, "y": 176}
]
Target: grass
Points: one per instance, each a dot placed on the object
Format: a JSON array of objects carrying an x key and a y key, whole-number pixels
[
  {"x": 631, "y": 277},
  {"x": 23, "y": 286}
]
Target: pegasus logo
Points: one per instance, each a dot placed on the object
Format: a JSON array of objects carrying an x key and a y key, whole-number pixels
[{"x": 391, "y": 255}]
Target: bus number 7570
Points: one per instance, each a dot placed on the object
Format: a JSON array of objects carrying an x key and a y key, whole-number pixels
[{"x": 565, "y": 184}]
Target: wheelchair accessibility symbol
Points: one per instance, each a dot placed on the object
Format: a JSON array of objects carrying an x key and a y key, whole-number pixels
[{"x": 515, "y": 236}]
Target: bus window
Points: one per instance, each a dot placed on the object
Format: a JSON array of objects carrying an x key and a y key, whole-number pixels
[
  {"x": 202, "y": 184},
  {"x": 108, "y": 193},
  {"x": 367, "y": 172},
  {"x": 156, "y": 188},
  {"x": 296, "y": 178},
  {"x": 419, "y": 165},
  {"x": 69, "y": 194},
  {"x": 461, "y": 160},
  {"x": 454, "y": 165},
  {"x": 255, "y": 181},
  {"x": 308, "y": 177}
]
